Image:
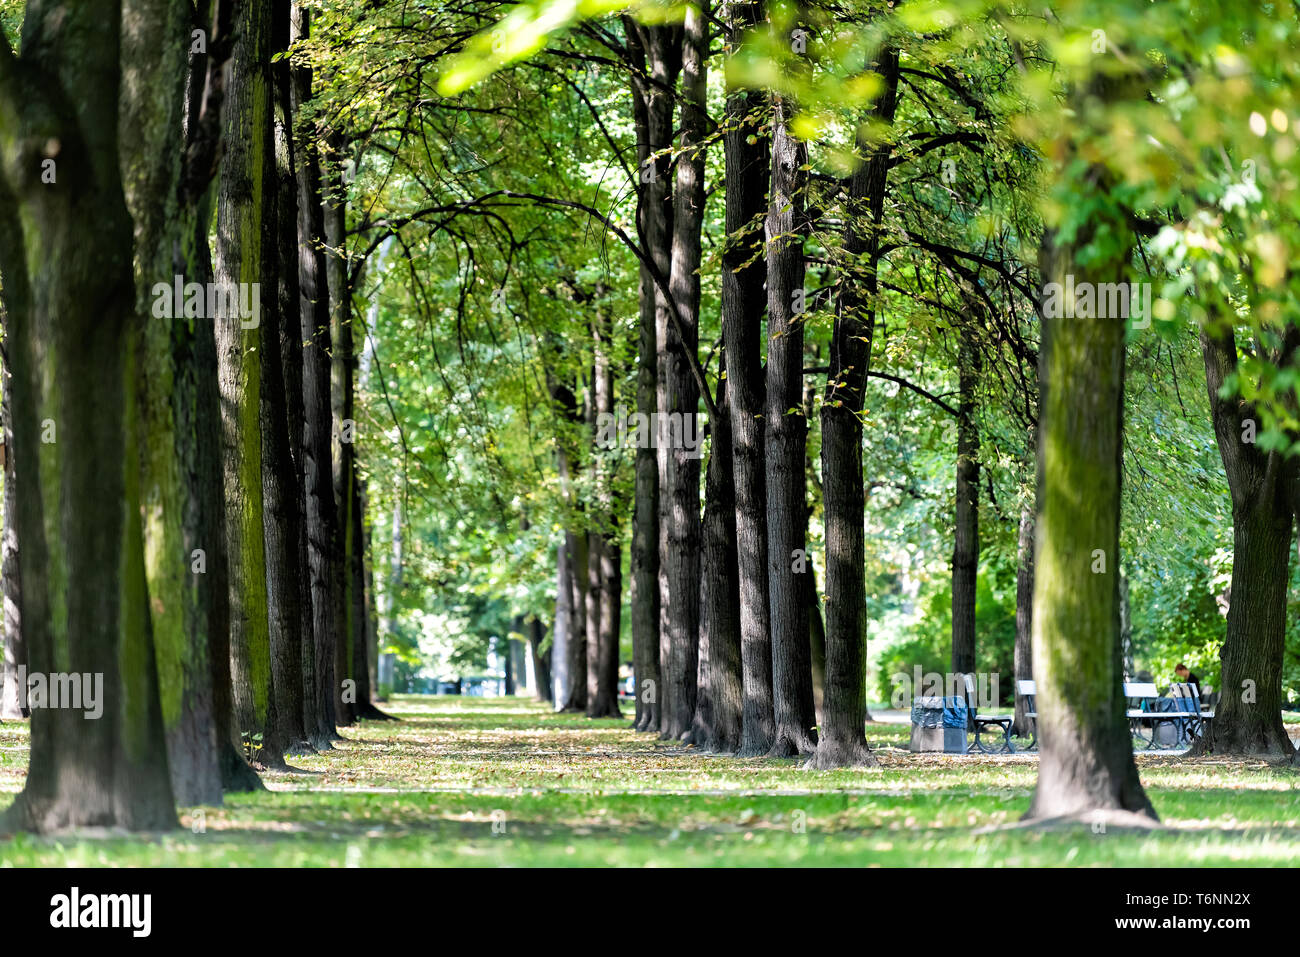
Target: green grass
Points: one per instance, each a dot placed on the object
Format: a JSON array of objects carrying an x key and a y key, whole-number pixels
[{"x": 464, "y": 781}]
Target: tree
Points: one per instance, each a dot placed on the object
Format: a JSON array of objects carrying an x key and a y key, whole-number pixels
[
  {"x": 245, "y": 262},
  {"x": 72, "y": 341},
  {"x": 843, "y": 741}
]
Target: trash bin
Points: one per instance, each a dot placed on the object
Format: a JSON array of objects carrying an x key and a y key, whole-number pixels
[{"x": 939, "y": 724}]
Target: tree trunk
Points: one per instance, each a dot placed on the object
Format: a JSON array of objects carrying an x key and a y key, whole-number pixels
[
  {"x": 843, "y": 740},
  {"x": 179, "y": 525},
  {"x": 785, "y": 440},
  {"x": 966, "y": 537},
  {"x": 541, "y": 662},
  {"x": 73, "y": 341},
  {"x": 15, "y": 651},
  {"x": 678, "y": 396},
  {"x": 281, "y": 496},
  {"x": 1024, "y": 656},
  {"x": 563, "y": 625},
  {"x": 744, "y": 273},
  {"x": 342, "y": 433},
  {"x": 1086, "y": 764},
  {"x": 318, "y": 489},
  {"x": 245, "y": 250},
  {"x": 392, "y": 592},
  {"x": 720, "y": 708},
  {"x": 1248, "y": 717},
  {"x": 653, "y": 109},
  {"x": 603, "y": 611}
]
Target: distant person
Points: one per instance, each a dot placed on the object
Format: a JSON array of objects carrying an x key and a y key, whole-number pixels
[{"x": 1187, "y": 677}]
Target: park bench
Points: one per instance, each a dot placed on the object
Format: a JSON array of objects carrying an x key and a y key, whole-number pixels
[
  {"x": 1145, "y": 707},
  {"x": 977, "y": 724},
  {"x": 1027, "y": 689},
  {"x": 1196, "y": 719}
]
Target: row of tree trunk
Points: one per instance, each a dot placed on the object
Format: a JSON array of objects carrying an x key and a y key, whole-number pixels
[{"x": 172, "y": 497}]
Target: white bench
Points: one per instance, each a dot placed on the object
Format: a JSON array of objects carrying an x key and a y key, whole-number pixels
[{"x": 1027, "y": 689}]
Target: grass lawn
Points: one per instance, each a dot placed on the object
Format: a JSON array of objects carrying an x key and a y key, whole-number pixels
[{"x": 474, "y": 781}]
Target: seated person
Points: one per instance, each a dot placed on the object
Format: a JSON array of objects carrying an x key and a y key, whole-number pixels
[{"x": 1187, "y": 676}]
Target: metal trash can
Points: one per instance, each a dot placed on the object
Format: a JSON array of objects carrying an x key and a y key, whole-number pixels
[{"x": 939, "y": 724}]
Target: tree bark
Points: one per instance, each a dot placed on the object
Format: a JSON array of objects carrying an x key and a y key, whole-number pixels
[
  {"x": 318, "y": 490},
  {"x": 720, "y": 708},
  {"x": 744, "y": 274},
  {"x": 541, "y": 661},
  {"x": 1248, "y": 717},
  {"x": 966, "y": 537},
  {"x": 73, "y": 343},
  {"x": 786, "y": 434},
  {"x": 339, "y": 396},
  {"x": 1086, "y": 754},
  {"x": 653, "y": 117},
  {"x": 246, "y": 250},
  {"x": 678, "y": 396},
  {"x": 843, "y": 740},
  {"x": 1024, "y": 654},
  {"x": 15, "y": 651}
]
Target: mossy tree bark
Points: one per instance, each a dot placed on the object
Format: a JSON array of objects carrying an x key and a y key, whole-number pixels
[
  {"x": 167, "y": 192},
  {"x": 246, "y": 252},
  {"x": 1086, "y": 764},
  {"x": 73, "y": 340}
]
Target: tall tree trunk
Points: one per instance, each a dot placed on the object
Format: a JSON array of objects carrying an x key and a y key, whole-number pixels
[
  {"x": 966, "y": 537},
  {"x": 288, "y": 163},
  {"x": 15, "y": 651},
  {"x": 744, "y": 273},
  {"x": 786, "y": 433},
  {"x": 281, "y": 496},
  {"x": 318, "y": 488},
  {"x": 576, "y": 663},
  {"x": 563, "y": 625},
  {"x": 679, "y": 469},
  {"x": 605, "y": 573},
  {"x": 73, "y": 341},
  {"x": 245, "y": 254},
  {"x": 1086, "y": 764},
  {"x": 1248, "y": 716},
  {"x": 541, "y": 661},
  {"x": 653, "y": 113},
  {"x": 1024, "y": 653},
  {"x": 843, "y": 740},
  {"x": 392, "y": 592},
  {"x": 342, "y": 433},
  {"x": 179, "y": 524}
]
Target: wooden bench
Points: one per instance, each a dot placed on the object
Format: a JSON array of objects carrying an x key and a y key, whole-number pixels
[{"x": 977, "y": 724}]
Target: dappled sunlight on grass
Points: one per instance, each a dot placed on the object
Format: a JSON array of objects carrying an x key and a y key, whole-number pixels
[{"x": 492, "y": 781}]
